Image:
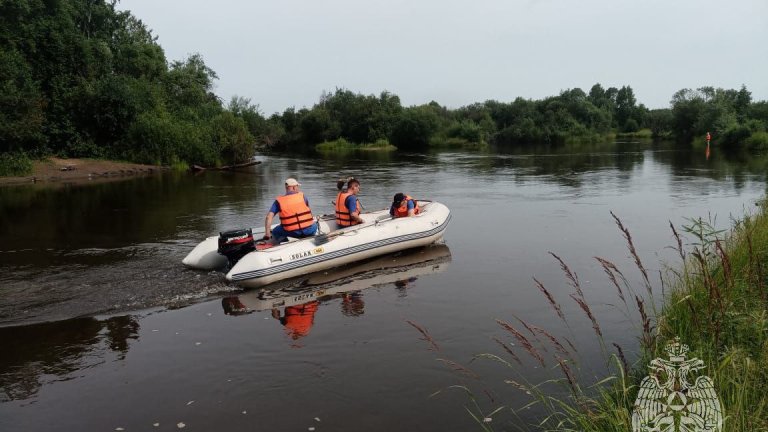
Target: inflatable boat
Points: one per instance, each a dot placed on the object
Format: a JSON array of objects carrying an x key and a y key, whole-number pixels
[
  {"x": 255, "y": 264},
  {"x": 400, "y": 269}
]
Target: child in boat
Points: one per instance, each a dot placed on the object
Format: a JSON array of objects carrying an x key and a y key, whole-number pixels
[{"x": 403, "y": 206}]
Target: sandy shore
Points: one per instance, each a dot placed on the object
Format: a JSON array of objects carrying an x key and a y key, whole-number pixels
[{"x": 80, "y": 171}]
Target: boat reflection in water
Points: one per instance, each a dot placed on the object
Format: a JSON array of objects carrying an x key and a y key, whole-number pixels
[{"x": 300, "y": 298}]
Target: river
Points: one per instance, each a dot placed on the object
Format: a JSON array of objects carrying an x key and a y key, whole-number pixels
[{"x": 103, "y": 328}]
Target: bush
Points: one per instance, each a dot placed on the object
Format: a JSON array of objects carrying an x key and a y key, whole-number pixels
[
  {"x": 641, "y": 133},
  {"x": 335, "y": 145},
  {"x": 15, "y": 164},
  {"x": 154, "y": 139},
  {"x": 757, "y": 141},
  {"x": 630, "y": 126},
  {"x": 735, "y": 136},
  {"x": 380, "y": 144},
  {"x": 415, "y": 127},
  {"x": 466, "y": 130},
  {"x": 231, "y": 138}
]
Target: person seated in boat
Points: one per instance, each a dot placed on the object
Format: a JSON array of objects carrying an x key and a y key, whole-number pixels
[
  {"x": 348, "y": 206},
  {"x": 403, "y": 206},
  {"x": 296, "y": 218}
]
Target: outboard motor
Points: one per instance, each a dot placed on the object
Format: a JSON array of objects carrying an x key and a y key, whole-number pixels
[{"x": 236, "y": 244}]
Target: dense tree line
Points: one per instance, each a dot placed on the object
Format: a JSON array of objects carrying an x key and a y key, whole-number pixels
[
  {"x": 80, "y": 78},
  {"x": 730, "y": 115}
]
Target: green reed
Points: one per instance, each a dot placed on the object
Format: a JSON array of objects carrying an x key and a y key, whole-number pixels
[{"x": 716, "y": 302}]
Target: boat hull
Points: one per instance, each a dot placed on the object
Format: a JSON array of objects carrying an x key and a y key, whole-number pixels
[{"x": 379, "y": 235}]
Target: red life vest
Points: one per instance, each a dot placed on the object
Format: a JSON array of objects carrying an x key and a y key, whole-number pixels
[
  {"x": 294, "y": 212},
  {"x": 298, "y": 320},
  {"x": 402, "y": 211},
  {"x": 343, "y": 215}
]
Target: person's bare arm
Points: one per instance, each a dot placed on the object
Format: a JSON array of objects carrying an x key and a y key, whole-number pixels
[
  {"x": 355, "y": 215},
  {"x": 268, "y": 226}
]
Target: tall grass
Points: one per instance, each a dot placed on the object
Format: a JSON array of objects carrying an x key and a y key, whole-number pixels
[
  {"x": 640, "y": 134},
  {"x": 716, "y": 302},
  {"x": 342, "y": 145}
]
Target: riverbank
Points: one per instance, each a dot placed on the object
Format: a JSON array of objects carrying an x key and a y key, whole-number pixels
[
  {"x": 53, "y": 170},
  {"x": 716, "y": 305}
]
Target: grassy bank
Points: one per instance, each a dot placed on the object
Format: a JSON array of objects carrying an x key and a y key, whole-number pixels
[
  {"x": 640, "y": 134},
  {"x": 715, "y": 303},
  {"x": 342, "y": 145}
]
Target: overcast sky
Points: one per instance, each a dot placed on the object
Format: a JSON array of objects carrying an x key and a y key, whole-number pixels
[{"x": 284, "y": 53}]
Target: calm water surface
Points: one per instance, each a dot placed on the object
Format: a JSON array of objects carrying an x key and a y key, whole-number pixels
[{"x": 103, "y": 328}]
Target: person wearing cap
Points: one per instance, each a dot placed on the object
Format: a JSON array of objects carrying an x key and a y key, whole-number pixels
[
  {"x": 348, "y": 206},
  {"x": 403, "y": 206},
  {"x": 296, "y": 218}
]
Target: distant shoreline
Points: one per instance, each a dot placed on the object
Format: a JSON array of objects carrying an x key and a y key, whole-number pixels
[{"x": 57, "y": 170}]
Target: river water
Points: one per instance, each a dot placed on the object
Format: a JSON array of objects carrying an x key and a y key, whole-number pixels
[{"x": 103, "y": 328}]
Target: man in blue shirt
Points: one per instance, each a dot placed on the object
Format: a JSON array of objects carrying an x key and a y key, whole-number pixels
[
  {"x": 348, "y": 206},
  {"x": 296, "y": 218}
]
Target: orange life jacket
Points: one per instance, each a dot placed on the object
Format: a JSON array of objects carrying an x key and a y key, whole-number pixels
[
  {"x": 294, "y": 212},
  {"x": 343, "y": 215},
  {"x": 298, "y": 320},
  {"x": 402, "y": 211}
]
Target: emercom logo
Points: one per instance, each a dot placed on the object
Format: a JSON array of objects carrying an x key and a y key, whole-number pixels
[{"x": 671, "y": 399}]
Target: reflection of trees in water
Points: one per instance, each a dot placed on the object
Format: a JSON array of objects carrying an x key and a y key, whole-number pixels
[
  {"x": 114, "y": 215},
  {"x": 568, "y": 164},
  {"x": 57, "y": 349}
]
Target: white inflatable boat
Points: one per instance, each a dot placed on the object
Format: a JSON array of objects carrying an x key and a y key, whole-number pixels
[
  {"x": 400, "y": 269},
  {"x": 333, "y": 246}
]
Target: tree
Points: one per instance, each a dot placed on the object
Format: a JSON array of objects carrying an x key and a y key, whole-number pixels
[
  {"x": 625, "y": 106},
  {"x": 597, "y": 95},
  {"x": 687, "y": 106},
  {"x": 742, "y": 102},
  {"x": 21, "y": 105},
  {"x": 415, "y": 127},
  {"x": 189, "y": 83},
  {"x": 660, "y": 122},
  {"x": 231, "y": 138}
]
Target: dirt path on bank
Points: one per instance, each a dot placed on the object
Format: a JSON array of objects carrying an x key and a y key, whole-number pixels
[{"x": 54, "y": 170}]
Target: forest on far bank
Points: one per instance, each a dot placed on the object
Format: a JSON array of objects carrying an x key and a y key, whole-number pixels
[{"x": 83, "y": 79}]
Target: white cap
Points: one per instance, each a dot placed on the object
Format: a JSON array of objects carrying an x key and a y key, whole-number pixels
[{"x": 292, "y": 182}]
